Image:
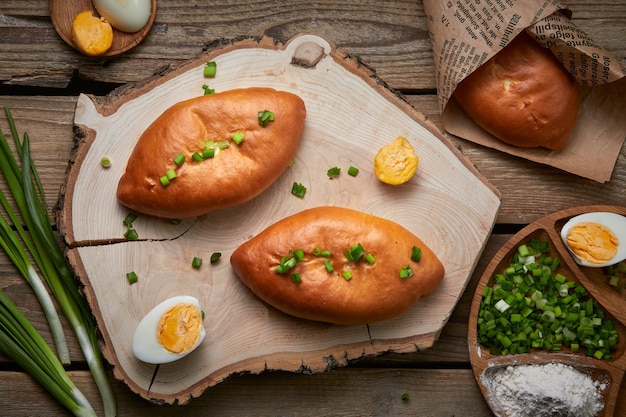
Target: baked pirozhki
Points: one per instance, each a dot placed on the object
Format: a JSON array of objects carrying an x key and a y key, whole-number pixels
[
  {"x": 212, "y": 152},
  {"x": 338, "y": 265},
  {"x": 523, "y": 96}
]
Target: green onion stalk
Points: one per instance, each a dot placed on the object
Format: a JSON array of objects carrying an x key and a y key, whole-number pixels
[
  {"x": 21, "y": 342},
  {"x": 27, "y": 191},
  {"x": 15, "y": 251}
]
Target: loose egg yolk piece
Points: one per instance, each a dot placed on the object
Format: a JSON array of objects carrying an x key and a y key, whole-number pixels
[
  {"x": 396, "y": 163},
  {"x": 92, "y": 35},
  {"x": 179, "y": 327},
  {"x": 592, "y": 242}
]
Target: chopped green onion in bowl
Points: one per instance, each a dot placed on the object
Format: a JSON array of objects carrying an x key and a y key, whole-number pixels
[{"x": 532, "y": 305}]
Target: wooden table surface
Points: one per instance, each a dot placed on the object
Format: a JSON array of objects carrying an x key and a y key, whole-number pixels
[{"x": 41, "y": 77}]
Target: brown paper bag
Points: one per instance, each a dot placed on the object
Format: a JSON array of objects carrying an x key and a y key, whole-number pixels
[{"x": 466, "y": 33}]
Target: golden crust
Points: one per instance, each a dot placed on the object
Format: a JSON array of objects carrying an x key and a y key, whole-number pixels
[
  {"x": 374, "y": 293},
  {"x": 235, "y": 175},
  {"x": 523, "y": 96}
]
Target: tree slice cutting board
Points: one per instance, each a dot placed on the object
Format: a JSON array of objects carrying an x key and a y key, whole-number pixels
[{"x": 350, "y": 115}]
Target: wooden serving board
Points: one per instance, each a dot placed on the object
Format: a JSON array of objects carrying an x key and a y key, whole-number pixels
[
  {"x": 596, "y": 284},
  {"x": 350, "y": 115}
]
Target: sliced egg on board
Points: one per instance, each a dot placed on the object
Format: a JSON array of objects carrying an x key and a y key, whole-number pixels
[
  {"x": 125, "y": 15},
  {"x": 596, "y": 239},
  {"x": 170, "y": 331}
]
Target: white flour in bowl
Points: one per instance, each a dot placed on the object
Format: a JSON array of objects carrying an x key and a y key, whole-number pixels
[{"x": 547, "y": 390}]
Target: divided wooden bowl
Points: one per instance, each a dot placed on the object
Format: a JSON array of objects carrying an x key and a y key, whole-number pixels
[{"x": 595, "y": 282}]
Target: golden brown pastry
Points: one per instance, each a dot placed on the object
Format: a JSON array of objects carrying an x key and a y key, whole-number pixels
[
  {"x": 231, "y": 150},
  {"x": 381, "y": 283},
  {"x": 522, "y": 96}
]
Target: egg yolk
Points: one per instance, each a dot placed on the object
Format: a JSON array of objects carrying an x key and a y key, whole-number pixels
[
  {"x": 179, "y": 327},
  {"x": 396, "y": 163},
  {"x": 592, "y": 242},
  {"x": 92, "y": 35}
]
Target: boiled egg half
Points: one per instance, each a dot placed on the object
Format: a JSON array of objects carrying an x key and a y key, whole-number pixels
[
  {"x": 596, "y": 239},
  {"x": 125, "y": 15},
  {"x": 170, "y": 331}
]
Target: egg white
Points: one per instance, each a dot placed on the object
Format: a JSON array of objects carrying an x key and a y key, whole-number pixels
[
  {"x": 127, "y": 16},
  {"x": 613, "y": 221},
  {"x": 146, "y": 347}
]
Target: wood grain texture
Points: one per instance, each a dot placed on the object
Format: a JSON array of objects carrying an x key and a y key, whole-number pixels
[
  {"x": 391, "y": 37},
  {"x": 349, "y": 116},
  {"x": 341, "y": 393}
]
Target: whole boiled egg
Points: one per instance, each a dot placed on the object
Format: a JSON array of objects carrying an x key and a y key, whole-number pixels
[
  {"x": 125, "y": 15},
  {"x": 596, "y": 239},
  {"x": 171, "y": 330}
]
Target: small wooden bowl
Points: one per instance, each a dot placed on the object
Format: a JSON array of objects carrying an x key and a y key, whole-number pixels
[
  {"x": 62, "y": 13},
  {"x": 610, "y": 371}
]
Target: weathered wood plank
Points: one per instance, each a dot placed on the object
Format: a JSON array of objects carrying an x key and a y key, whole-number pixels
[
  {"x": 345, "y": 392},
  {"x": 392, "y": 41},
  {"x": 389, "y": 36}
]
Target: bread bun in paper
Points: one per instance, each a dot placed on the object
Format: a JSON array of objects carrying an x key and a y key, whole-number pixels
[{"x": 522, "y": 96}]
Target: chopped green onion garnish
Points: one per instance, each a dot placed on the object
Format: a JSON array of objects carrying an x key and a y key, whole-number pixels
[
  {"x": 416, "y": 254},
  {"x": 170, "y": 174},
  {"x": 131, "y": 277},
  {"x": 131, "y": 234},
  {"x": 286, "y": 264},
  {"x": 406, "y": 272},
  {"x": 208, "y": 153},
  {"x": 347, "y": 275},
  {"x": 356, "y": 252},
  {"x": 333, "y": 172},
  {"x": 209, "y": 144},
  {"x": 298, "y": 190},
  {"x": 296, "y": 278},
  {"x": 502, "y": 306},
  {"x": 180, "y": 158},
  {"x": 207, "y": 90},
  {"x": 210, "y": 69},
  {"x": 329, "y": 266},
  {"x": 370, "y": 259},
  {"x": 353, "y": 171},
  {"x": 129, "y": 219},
  {"x": 105, "y": 162},
  {"x": 265, "y": 117},
  {"x": 223, "y": 145},
  {"x": 298, "y": 254},
  {"x": 196, "y": 262},
  {"x": 196, "y": 156},
  {"x": 523, "y": 251},
  {"x": 215, "y": 256},
  {"x": 321, "y": 252},
  {"x": 238, "y": 137},
  {"x": 164, "y": 181},
  {"x": 530, "y": 305}
]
